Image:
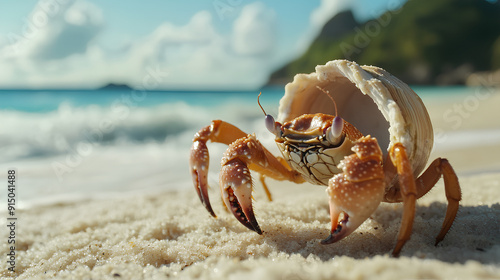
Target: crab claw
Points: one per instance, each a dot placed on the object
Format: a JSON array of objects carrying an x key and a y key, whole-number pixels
[
  {"x": 199, "y": 161},
  {"x": 356, "y": 193},
  {"x": 236, "y": 189}
]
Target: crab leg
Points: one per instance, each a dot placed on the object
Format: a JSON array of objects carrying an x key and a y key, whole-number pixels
[
  {"x": 244, "y": 153},
  {"x": 439, "y": 167},
  {"x": 236, "y": 182},
  {"x": 408, "y": 190},
  {"x": 357, "y": 192},
  {"x": 451, "y": 186},
  {"x": 220, "y": 132}
]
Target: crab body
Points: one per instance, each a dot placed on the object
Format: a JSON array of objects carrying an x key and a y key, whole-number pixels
[
  {"x": 304, "y": 144},
  {"x": 322, "y": 147}
]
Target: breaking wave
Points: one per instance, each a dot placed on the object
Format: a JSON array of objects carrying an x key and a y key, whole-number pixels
[{"x": 34, "y": 134}]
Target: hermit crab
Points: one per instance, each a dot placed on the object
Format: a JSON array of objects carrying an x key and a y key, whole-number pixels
[{"x": 373, "y": 150}]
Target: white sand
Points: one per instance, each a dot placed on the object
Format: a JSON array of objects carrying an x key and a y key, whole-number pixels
[{"x": 170, "y": 234}]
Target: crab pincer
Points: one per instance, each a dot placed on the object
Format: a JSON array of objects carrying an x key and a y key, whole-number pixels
[
  {"x": 236, "y": 181},
  {"x": 357, "y": 192},
  {"x": 236, "y": 191},
  {"x": 199, "y": 161}
]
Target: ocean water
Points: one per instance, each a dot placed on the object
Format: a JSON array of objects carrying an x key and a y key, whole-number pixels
[{"x": 73, "y": 145}]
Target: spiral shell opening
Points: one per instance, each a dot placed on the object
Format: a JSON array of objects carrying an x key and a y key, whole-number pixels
[{"x": 374, "y": 101}]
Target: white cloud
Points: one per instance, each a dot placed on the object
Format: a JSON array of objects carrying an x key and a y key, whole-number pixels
[
  {"x": 254, "y": 30},
  {"x": 169, "y": 42},
  {"x": 69, "y": 34},
  {"x": 58, "y": 32},
  {"x": 65, "y": 52},
  {"x": 197, "y": 56},
  {"x": 84, "y": 13},
  {"x": 327, "y": 9},
  {"x": 43, "y": 53}
]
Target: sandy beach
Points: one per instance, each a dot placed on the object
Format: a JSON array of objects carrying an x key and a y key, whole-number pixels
[{"x": 169, "y": 234}]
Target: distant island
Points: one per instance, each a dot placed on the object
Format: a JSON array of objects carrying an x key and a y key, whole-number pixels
[{"x": 112, "y": 86}]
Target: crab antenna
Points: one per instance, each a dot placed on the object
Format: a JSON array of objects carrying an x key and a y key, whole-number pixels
[
  {"x": 258, "y": 101},
  {"x": 328, "y": 93}
]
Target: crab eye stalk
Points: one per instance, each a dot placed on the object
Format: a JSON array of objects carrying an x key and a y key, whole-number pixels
[
  {"x": 272, "y": 126},
  {"x": 334, "y": 133}
]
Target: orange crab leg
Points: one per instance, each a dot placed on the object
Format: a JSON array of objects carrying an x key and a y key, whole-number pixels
[
  {"x": 218, "y": 131},
  {"x": 439, "y": 167},
  {"x": 244, "y": 153},
  {"x": 357, "y": 192},
  {"x": 452, "y": 189},
  {"x": 408, "y": 190}
]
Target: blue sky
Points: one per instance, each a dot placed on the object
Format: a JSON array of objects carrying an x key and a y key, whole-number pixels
[{"x": 203, "y": 44}]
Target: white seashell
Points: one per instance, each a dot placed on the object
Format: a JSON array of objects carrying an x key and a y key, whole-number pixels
[{"x": 374, "y": 101}]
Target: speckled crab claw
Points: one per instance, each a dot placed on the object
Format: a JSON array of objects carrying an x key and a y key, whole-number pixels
[
  {"x": 236, "y": 182},
  {"x": 236, "y": 191},
  {"x": 357, "y": 192}
]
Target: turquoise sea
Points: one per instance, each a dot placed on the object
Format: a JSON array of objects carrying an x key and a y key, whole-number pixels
[{"x": 50, "y": 100}]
